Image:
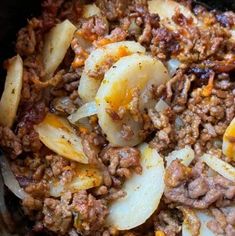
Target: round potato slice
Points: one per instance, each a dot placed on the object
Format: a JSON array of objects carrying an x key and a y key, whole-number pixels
[
  {"x": 11, "y": 95},
  {"x": 131, "y": 74},
  {"x": 99, "y": 61},
  {"x": 57, "y": 134},
  {"x": 143, "y": 193}
]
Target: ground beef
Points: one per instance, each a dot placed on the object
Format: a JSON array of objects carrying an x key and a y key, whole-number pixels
[
  {"x": 168, "y": 221},
  {"x": 201, "y": 191},
  {"x": 27, "y": 38},
  {"x": 222, "y": 224},
  {"x": 91, "y": 212},
  {"x": 113, "y": 10},
  {"x": 10, "y": 142},
  {"x": 176, "y": 173},
  {"x": 120, "y": 162},
  {"x": 57, "y": 216}
]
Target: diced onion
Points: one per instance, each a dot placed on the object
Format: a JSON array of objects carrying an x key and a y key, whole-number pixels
[
  {"x": 173, "y": 65},
  {"x": 186, "y": 155},
  {"x": 220, "y": 166},
  {"x": 161, "y": 106},
  {"x": 10, "y": 180},
  {"x": 86, "y": 110}
]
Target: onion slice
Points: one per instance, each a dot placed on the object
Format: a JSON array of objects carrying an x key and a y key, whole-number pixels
[
  {"x": 86, "y": 177},
  {"x": 88, "y": 109},
  {"x": 161, "y": 106},
  {"x": 185, "y": 155},
  {"x": 10, "y": 180},
  {"x": 220, "y": 166},
  {"x": 173, "y": 65}
]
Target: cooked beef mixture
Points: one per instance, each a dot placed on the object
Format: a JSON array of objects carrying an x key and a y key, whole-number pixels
[{"x": 118, "y": 118}]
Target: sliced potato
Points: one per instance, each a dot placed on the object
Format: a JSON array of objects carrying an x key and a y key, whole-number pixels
[
  {"x": 186, "y": 155},
  {"x": 57, "y": 134},
  {"x": 143, "y": 193},
  {"x": 132, "y": 73},
  {"x": 229, "y": 141},
  {"x": 12, "y": 91},
  {"x": 90, "y": 10},
  {"x": 204, "y": 218},
  {"x": 86, "y": 177},
  {"x": 103, "y": 57},
  {"x": 220, "y": 166},
  {"x": 166, "y": 9},
  {"x": 56, "y": 45}
]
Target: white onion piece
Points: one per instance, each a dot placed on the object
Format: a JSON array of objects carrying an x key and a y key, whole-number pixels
[
  {"x": 86, "y": 177},
  {"x": 220, "y": 166},
  {"x": 12, "y": 91},
  {"x": 59, "y": 136},
  {"x": 90, "y": 10},
  {"x": 88, "y": 109},
  {"x": 143, "y": 193},
  {"x": 173, "y": 65},
  {"x": 56, "y": 45},
  {"x": 185, "y": 155},
  {"x": 228, "y": 146},
  {"x": 161, "y": 106},
  {"x": 204, "y": 218},
  {"x": 128, "y": 75},
  {"x": 10, "y": 180}
]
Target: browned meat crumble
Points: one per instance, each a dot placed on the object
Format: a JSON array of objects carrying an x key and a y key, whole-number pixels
[{"x": 197, "y": 115}]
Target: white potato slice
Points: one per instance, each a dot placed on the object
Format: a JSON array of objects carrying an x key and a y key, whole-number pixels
[
  {"x": 186, "y": 155},
  {"x": 130, "y": 73},
  {"x": 56, "y": 44},
  {"x": 166, "y": 9},
  {"x": 12, "y": 90},
  {"x": 57, "y": 134},
  {"x": 90, "y": 10},
  {"x": 204, "y": 218},
  {"x": 143, "y": 193},
  {"x": 229, "y": 141},
  {"x": 220, "y": 166},
  {"x": 86, "y": 177},
  {"x": 100, "y": 60}
]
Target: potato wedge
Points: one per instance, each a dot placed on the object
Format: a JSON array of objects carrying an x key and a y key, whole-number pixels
[
  {"x": 56, "y": 45},
  {"x": 86, "y": 177},
  {"x": 57, "y": 134},
  {"x": 143, "y": 193},
  {"x": 11, "y": 95}
]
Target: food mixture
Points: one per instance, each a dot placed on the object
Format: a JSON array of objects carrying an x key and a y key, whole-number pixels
[{"x": 118, "y": 118}]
